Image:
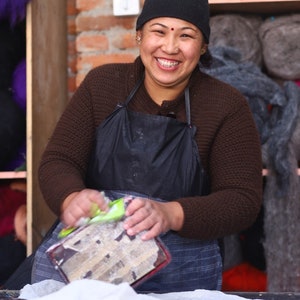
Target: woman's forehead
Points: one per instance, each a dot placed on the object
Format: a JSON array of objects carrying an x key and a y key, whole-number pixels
[{"x": 172, "y": 22}]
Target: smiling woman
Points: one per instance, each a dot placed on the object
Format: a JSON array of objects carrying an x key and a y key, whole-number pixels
[
  {"x": 170, "y": 50},
  {"x": 187, "y": 174}
]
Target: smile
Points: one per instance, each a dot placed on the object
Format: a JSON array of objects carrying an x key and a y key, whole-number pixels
[{"x": 167, "y": 63}]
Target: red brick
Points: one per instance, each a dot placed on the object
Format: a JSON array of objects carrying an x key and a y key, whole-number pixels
[
  {"x": 85, "y": 5},
  {"x": 86, "y": 23},
  {"x": 71, "y": 8},
  {"x": 87, "y": 62},
  {"x": 124, "y": 41},
  {"x": 101, "y": 32},
  {"x": 71, "y": 46},
  {"x": 91, "y": 42},
  {"x": 71, "y": 25},
  {"x": 72, "y": 64}
]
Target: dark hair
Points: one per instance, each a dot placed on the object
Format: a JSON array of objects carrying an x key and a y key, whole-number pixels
[{"x": 206, "y": 59}]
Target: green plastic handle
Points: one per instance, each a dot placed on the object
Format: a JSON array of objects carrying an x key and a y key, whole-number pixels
[{"x": 115, "y": 213}]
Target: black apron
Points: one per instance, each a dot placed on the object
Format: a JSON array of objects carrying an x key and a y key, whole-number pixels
[{"x": 157, "y": 157}]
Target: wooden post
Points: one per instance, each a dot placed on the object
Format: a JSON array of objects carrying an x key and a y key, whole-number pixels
[{"x": 46, "y": 57}]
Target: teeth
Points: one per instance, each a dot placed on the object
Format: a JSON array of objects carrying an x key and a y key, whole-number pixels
[{"x": 167, "y": 63}]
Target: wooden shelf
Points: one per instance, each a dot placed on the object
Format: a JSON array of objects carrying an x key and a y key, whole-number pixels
[
  {"x": 255, "y": 6},
  {"x": 13, "y": 174},
  {"x": 265, "y": 172}
]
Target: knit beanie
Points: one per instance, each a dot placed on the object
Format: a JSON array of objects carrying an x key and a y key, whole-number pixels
[{"x": 193, "y": 11}]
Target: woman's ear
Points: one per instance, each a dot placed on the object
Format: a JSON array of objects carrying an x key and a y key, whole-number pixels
[
  {"x": 203, "y": 49},
  {"x": 138, "y": 37}
]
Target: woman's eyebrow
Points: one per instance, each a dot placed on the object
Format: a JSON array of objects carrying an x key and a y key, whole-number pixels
[
  {"x": 165, "y": 26},
  {"x": 159, "y": 25},
  {"x": 190, "y": 28}
]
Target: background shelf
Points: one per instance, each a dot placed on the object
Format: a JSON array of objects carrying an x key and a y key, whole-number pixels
[
  {"x": 255, "y": 6},
  {"x": 13, "y": 174}
]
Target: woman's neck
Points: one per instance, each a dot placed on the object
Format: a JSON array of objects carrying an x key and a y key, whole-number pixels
[{"x": 160, "y": 93}]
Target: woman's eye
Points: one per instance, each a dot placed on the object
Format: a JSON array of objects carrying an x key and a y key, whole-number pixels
[
  {"x": 159, "y": 31},
  {"x": 186, "y": 35}
]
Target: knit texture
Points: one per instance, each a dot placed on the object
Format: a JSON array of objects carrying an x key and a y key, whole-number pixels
[
  {"x": 280, "y": 43},
  {"x": 276, "y": 111},
  {"x": 226, "y": 136},
  {"x": 238, "y": 31},
  {"x": 193, "y": 11}
]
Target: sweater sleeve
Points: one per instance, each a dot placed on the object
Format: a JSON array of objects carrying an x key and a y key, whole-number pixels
[
  {"x": 232, "y": 157},
  {"x": 63, "y": 165},
  {"x": 63, "y": 162}
]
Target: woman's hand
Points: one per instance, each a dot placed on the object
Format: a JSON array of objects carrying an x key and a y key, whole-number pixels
[
  {"x": 152, "y": 216},
  {"x": 20, "y": 224},
  {"x": 81, "y": 205}
]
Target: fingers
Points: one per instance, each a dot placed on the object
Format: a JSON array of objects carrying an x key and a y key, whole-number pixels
[
  {"x": 82, "y": 205},
  {"x": 143, "y": 215},
  {"x": 155, "y": 231},
  {"x": 146, "y": 215}
]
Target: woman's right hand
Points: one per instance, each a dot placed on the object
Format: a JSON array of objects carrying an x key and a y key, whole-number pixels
[{"x": 81, "y": 205}]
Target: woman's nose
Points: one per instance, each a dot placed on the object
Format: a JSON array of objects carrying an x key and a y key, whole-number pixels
[{"x": 170, "y": 45}]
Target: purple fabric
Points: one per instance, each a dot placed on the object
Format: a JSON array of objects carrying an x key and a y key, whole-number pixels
[
  {"x": 12, "y": 50},
  {"x": 19, "y": 84},
  {"x": 13, "y": 10}
]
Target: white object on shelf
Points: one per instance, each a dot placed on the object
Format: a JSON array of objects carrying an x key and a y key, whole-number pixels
[{"x": 126, "y": 7}]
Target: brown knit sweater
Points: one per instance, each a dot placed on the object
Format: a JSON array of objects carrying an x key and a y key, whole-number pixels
[{"x": 226, "y": 137}]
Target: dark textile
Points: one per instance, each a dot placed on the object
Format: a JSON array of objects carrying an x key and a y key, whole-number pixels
[
  {"x": 12, "y": 50},
  {"x": 274, "y": 108},
  {"x": 237, "y": 31},
  {"x": 223, "y": 120},
  {"x": 10, "y": 201},
  {"x": 142, "y": 157},
  {"x": 280, "y": 37},
  {"x": 13, "y": 10},
  {"x": 12, "y": 254},
  {"x": 22, "y": 274},
  {"x": 197, "y": 14},
  {"x": 12, "y": 128}
]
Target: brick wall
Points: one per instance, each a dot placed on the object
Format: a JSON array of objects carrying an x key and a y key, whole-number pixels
[{"x": 96, "y": 37}]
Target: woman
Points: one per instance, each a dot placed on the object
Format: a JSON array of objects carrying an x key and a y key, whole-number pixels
[{"x": 183, "y": 142}]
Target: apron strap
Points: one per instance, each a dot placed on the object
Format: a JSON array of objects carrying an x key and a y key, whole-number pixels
[
  {"x": 187, "y": 105},
  {"x": 186, "y": 96},
  {"x": 134, "y": 90}
]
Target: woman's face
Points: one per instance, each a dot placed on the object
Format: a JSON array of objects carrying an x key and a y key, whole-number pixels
[{"x": 170, "y": 50}]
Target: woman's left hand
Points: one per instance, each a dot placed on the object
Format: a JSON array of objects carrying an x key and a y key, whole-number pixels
[{"x": 153, "y": 217}]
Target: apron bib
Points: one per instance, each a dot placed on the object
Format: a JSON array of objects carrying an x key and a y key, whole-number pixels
[{"x": 155, "y": 157}]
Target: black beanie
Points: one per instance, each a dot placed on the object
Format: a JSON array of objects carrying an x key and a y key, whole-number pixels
[{"x": 193, "y": 11}]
